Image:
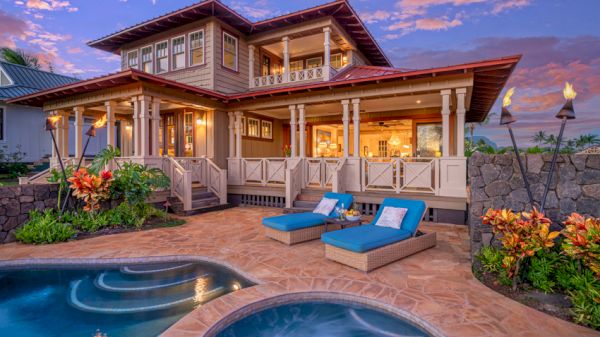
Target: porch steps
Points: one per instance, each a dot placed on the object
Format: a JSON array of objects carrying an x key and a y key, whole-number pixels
[
  {"x": 202, "y": 201},
  {"x": 306, "y": 201}
]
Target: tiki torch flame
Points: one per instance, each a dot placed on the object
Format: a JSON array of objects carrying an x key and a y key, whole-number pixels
[
  {"x": 101, "y": 122},
  {"x": 506, "y": 100},
  {"x": 54, "y": 119},
  {"x": 569, "y": 92}
]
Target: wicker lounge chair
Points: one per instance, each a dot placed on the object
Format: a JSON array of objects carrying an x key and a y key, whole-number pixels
[
  {"x": 368, "y": 247},
  {"x": 300, "y": 227}
]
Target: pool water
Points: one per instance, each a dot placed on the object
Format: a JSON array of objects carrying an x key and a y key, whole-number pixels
[
  {"x": 321, "y": 319},
  {"x": 121, "y": 300}
]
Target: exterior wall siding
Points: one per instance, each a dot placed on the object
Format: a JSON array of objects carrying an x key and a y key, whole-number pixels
[
  {"x": 221, "y": 138},
  {"x": 226, "y": 80},
  {"x": 24, "y": 126},
  {"x": 252, "y": 148}
]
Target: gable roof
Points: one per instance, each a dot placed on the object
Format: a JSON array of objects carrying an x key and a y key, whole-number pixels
[
  {"x": 340, "y": 10},
  {"x": 27, "y": 80},
  {"x": 489, "y": 78}
]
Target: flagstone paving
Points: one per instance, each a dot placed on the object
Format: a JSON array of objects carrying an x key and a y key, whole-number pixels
[{"x": 436, "y": 285}]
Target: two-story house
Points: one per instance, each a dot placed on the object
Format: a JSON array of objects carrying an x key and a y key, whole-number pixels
[{"x": 269, "y": 112}]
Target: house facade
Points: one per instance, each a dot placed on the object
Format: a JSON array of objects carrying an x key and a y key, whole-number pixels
[
  {"x": 21, "y": 126},
  {"x": 265, "y": 111}
]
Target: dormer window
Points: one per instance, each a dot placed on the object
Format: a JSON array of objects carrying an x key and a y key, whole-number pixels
[
  {"x": 230, "y": 51},
  {"x": 4, "y": 80},
  {"x": 196, "y": 41},
  {"x": 147, "y": 64},
  {"x": 132, "y": 59},
  {"x": 162, "y": 57},
  {"x": 178, "y": 52}
]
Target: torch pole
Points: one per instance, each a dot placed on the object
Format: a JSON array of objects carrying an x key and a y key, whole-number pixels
[
  {"x": 64, "y": 205},
  {"x": 521, "y": 167},
  {"x": 553, "y": 163}
]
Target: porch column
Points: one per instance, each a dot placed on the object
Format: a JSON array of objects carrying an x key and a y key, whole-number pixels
[
  {"x": 251, "y": 49},
  {"x": 356, "y": 120},
  {"x": 232, "y": 126},
  {"x": 64, "y": 146},
  {"x": 460, "y": 121},
  {"x": 57, "y": 136},
  {"x": 286, "y": 58},
  {"x": 144, "y": 123},
  {"x": 135, "y": 139},
  {"x": 78, "y": 130},
  {"x": 327, "y": 52},
  {"x": 111, "y": 107},
  {"x": 302, "y": 129},
  {"x": 238, "y": 134},
  {"x": 155, "y": 125},
  {"x": 346, "y": 121},
  {"x": 293, "y": 129},
  {"x": 445, "y": 122}
]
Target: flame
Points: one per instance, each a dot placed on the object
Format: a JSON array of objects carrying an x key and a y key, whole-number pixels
[
  {"x": 568, "y": 91},
  {"x": 54, "y": 119},
  {"x": 101, "y": 122},
  {"x": 506, "y": 100}
]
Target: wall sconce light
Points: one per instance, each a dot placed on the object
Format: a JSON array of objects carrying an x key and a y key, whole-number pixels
[
  {"x": 199, "y": 121},
  {"x": 128, "y": 127}
]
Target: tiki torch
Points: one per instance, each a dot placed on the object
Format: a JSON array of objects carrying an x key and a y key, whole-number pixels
[
  {"x": 567, "y": 112},
  {"x": 506, "y": 118},
  {"x": 51, "y": 126},
  {"x": 91, "y": 132}
]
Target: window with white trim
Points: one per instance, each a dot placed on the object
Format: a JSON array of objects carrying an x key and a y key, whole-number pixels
[
  {"x": 296, "y": 65},
  {"x": 4, "y": 80},
  {"x": 196, "y": 41},
  {"x": 147, "y": 64},
  {"x": 162, "y": 57},
  {"x": 132, "y": 59},
  {"x": 267, "y": 129},
  {"x": 336, "y": 61},
  {"x": 314, "y": 62},
  {"x": 230, "y": 51},
  {"x": 253, "y": 127},
  {"x": 178, "y": 52}
]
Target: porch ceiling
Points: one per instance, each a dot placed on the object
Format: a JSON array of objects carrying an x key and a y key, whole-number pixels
[
  {"x": 397, "y": 103},
  {"x": 305, "y": 45}
]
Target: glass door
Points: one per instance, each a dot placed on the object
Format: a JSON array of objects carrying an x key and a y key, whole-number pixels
[
  {"x": 429, "y": 140},
  {"x": 188, "y": 134},
  {"x": 171, "y": 135}
]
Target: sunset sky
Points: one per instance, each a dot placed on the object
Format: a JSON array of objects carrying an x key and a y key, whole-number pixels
[{"x": 559, "y": 41}]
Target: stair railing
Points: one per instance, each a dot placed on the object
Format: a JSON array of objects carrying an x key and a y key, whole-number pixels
[
  {"x": 293, "y": 181},
  {"x": 337, "y": 179},
  {"x": 216, "y": 180},
  {"x": 181, "y": 183}
]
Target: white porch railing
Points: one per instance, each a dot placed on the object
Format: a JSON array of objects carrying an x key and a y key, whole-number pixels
[
  {"x": 181, "y": 182},
  {"x": 264, "y": 171},
  {"x": 337, "y": 181},
  {"x": 42, "y": 176},
  {"x": 324, "y": 73},
  {"x": 293, "y": 182},
  {"x": 401, "y": 174},
  {"x": 206, "y": 173},
  {"x": 320, "y": 171}
]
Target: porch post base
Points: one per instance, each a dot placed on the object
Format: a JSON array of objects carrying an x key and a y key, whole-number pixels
[{"x": 234, "y": 171}]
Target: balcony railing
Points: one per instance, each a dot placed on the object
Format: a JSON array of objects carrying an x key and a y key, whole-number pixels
[{"x": 324, "y": 73}]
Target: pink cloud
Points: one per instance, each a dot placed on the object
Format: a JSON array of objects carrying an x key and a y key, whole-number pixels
[
  {"x": 436, "y": 24},
  {"x": 74, "y": 50},
  {"x": 49, "y": 5},
  {"x": 431, "y": 3},
  {"x": 509, "y": 4},
  {"x": 11, "y": 28}
]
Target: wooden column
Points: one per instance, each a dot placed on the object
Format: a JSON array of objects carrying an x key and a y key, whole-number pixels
[
  {"x": 135, "y": 141},
  {"x": 78, "y": 111},
  {"x": 460, "y": 121},
  {"x": 445, "y": 122},
  {"x": 302, "y": 129},
  {"x": 293, "y": 128},
  {"x": 111, "y": 108},
  {"x": 356, "y": 120},
  {"x": 232, "y": 126},
  {"x": 155, "y": 125},
  {"x": 144, "y": 123},
  {"x": 64, "y": 147},
  {"x": 238, "y": 134},
  {"x": 251, "y": 50},
  {"x": 346, "y": 122},
  {"x": 286, "y": 58}
]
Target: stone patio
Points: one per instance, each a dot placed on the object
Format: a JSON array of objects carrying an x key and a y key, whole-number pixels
[{"x": 436, "y": 285}]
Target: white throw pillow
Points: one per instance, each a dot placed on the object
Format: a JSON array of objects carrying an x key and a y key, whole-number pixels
[
  {"x": 391, "y": 217},
  {"x": 325, "y": 206}
]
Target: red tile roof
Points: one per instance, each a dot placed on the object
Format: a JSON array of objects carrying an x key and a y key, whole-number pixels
[{"x": 341, "y": 10}]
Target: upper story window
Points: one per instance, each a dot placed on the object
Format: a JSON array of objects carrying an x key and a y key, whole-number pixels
[
  {"x": 266, "y": 66},
  {"x": 314, "y": 62},
  {"x": 132, "y": 59},
  {"x": 230, "y": 51},
  {"x": 178, "y": 52},
  {"x": 336, "y": 60},
  {"x": 296, "y": 65},
  {"x": 196, "y": 41},
  {"x": 162, "y": 57},
  {"x": 4, "y": 80},
  {"x": 147, "y": 64}
]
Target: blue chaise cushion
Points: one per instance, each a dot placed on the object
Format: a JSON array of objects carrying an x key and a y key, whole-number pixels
[
  {"x": 342, "y": 198},
  {"x": 413, "y": 216},
  {"x": 291, "y": 222},
  {"x": 364, "y": 238}
]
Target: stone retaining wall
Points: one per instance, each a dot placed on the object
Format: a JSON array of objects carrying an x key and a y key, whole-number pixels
[
  {"x": 496, "y": 182},
  {"x": 17, "y": 201}
]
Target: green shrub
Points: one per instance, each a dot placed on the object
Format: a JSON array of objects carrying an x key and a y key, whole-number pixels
[
  {"x": 44, "y": 228},
  {"x": 133, "y": 215},
  {"x": 541, "y": 271},
  {"x": 585, "y": 297},
  {"x": 135, "y": 182},
  {"x": 86, "y": 221},
  {"x": 491, "y": 259}
]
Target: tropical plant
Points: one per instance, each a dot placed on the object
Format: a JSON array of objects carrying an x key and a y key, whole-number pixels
[
  {"x": 46, "y": 227},
  {"x": 539, "y": 138},
  {"x": 522, "y": 235},
  {"x": 582, "y": 241},
  {"x": 541, "y": 270},
  {"x": 19, "y": 57},
  {"x": 103, "y": 158},
  {"x": 11, "y": 162},
  {"x": 90, "y": 188},
  {"x": 135, "y": 182},
  {"x": 584, "y": 141}
]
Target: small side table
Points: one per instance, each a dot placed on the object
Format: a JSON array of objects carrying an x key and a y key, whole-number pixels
[{"x": 342, "y": 223}]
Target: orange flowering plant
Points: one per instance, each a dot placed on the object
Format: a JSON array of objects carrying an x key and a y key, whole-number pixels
[
  {"x": 582, "y": 241},
  {"x": 91, "y": 188},
  {"x": 521, "y": 234}
]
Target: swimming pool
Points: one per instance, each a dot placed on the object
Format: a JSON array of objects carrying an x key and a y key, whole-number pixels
[
  {"x": 321, "y": 319},
  {"x": 118, "y": 300}
]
